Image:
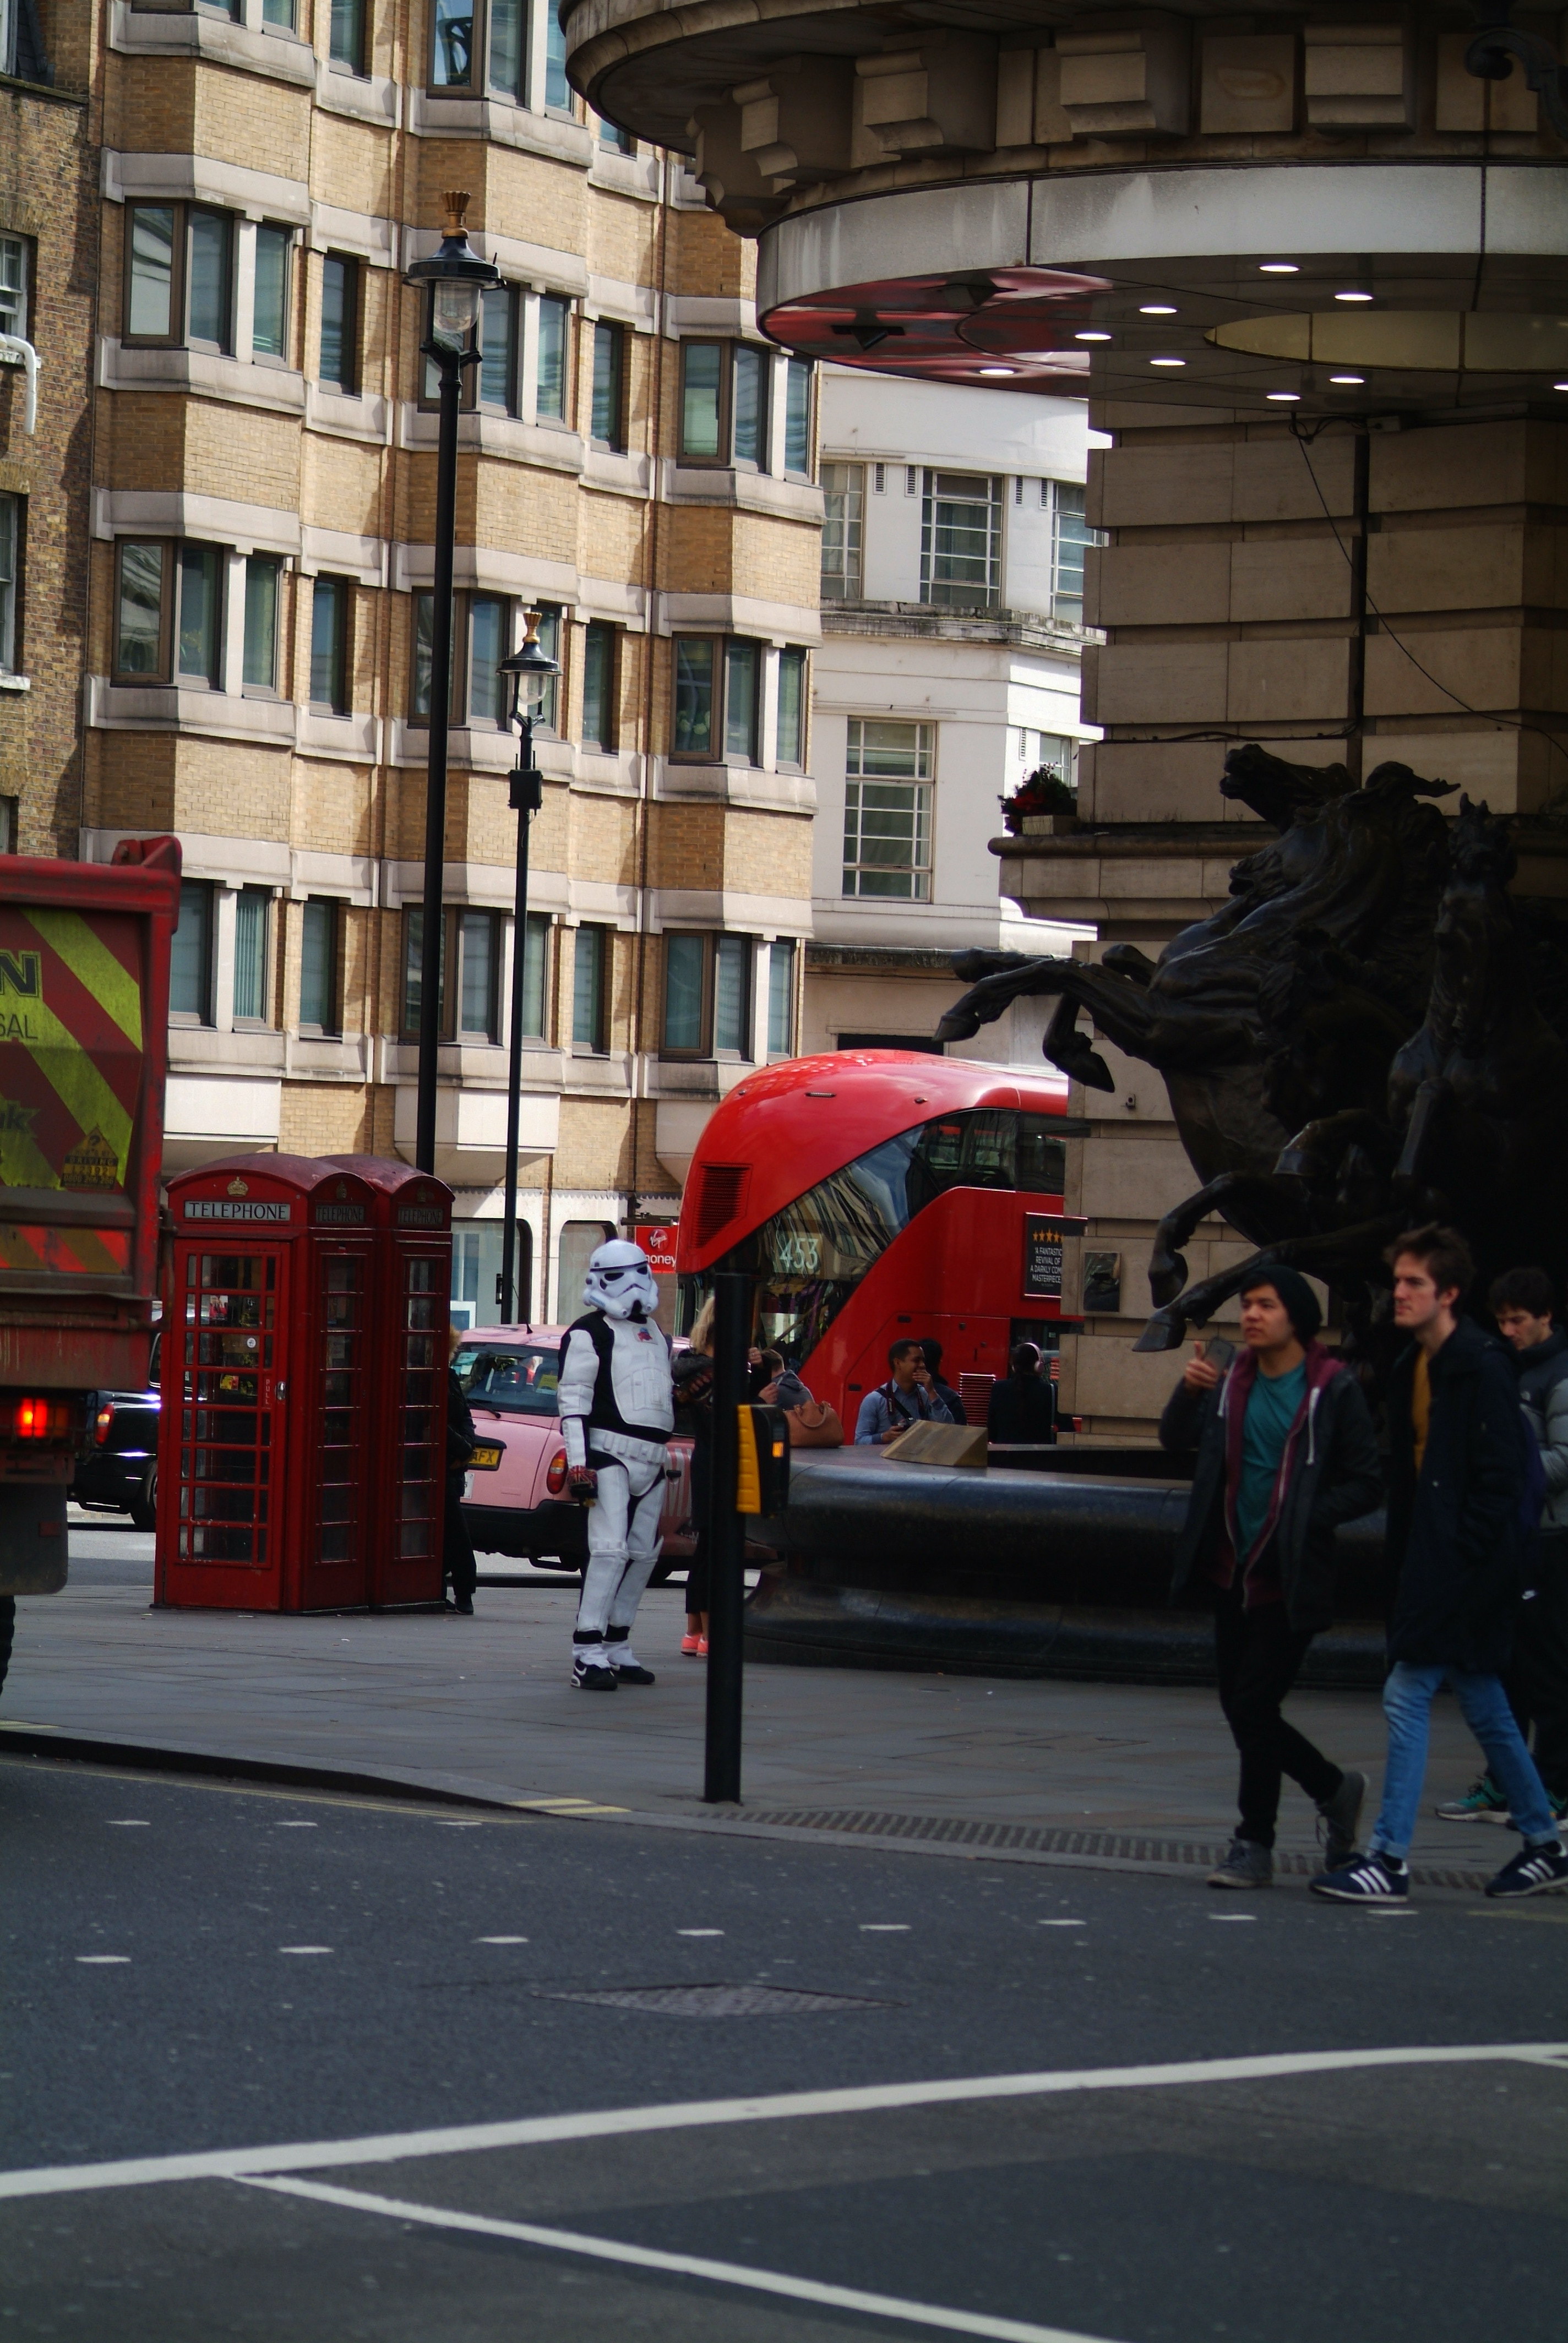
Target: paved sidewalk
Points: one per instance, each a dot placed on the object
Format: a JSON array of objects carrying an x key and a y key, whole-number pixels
[{"x": 483, "y": 1707}]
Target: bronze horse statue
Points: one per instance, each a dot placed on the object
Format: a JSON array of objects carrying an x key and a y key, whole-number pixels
[{"x": 1352, "y": 1042}]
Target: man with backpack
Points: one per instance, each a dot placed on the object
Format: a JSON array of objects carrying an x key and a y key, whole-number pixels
[
  {"x": 909, "y": 1396},
  {"x": 1536, "y": 1682},
  {"x": 1285, "y": 1452},
  {"x": 1465, "y": 1490}
]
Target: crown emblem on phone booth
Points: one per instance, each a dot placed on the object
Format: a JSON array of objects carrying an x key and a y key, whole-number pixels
[{"x": 240, "y": 1187}]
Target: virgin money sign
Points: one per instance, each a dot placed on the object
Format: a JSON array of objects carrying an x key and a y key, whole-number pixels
[{"x": 658, "y": 1242}]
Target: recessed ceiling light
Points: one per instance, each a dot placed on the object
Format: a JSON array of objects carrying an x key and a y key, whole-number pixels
[
  {"x": 1347, "y": 377},
  {"x": 998, "y": 369},
  {"x": 1285, "y": 397},
  {"x": 1167, "y": 361},
  {"x": 1156, "y": 310},
  {"x": 1279, "y": 268},
  {"x": 1091, "y": 337},
  {"x": 1353, "y": 296}
]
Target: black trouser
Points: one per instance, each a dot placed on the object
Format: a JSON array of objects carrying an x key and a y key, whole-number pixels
[
  {"x": 1536, "y": 1681},
  {"x": 1259, "y": 1655},
  {"x": 459, "y": 1566}
]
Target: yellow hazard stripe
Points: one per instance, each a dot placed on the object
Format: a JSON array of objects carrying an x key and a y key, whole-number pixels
[
  {"x": 94, "y": 965},
  {"x": 77, "y": 1079}
]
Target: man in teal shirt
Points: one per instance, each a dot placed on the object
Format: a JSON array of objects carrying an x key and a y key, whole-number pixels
[{"x": 1285, "y": 1452}]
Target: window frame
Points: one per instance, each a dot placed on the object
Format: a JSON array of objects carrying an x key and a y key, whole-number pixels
[
  {"x": 347, "y": 60},
  {"x": 341, "y": 591},
  {"x": 921, "y": 809},
  {"x": 781, "y": 953},
  {"x": 511, "y": 403},
  {"x": 801, "y": 372},
  {"x": 346, "y": 384},
  {"x": 719, "y": 711},
  {"x": 561, "y": 414},
  {"x": 172, "y": 552},
  {"x": 450, "y": 1027},
  {"x": 255, "y": 563},
  {"x": 731, "y": 353},
  {"x": 17, "y": 298},
  {"x": 248, "y": 1020},
  {"x": 843, "y": 531},
  {"x": 609, "y": 334},
  {"x": 598, "y": 1045},
  {"x": 13, "y": 580},
  {"x": 600, "y": 635},
  {"x": 954, "y": 594},
  {"x": 707, "y": 1048},
  {"x": 286, "y": 236},
  {"x": 329, "y": 909},
  {"x": 178, "y": 334},
  {"x": 1068, "y": 606},
  {"x": 480, "y": 80},
  {"x": 192, "y": 1019},
  {"x": 795, "y": 657}
]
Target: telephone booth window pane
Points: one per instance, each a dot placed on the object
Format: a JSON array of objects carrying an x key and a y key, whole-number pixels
[
  {"x": 422, "y": 1275},
  {"x": 226, "y": 1452}
]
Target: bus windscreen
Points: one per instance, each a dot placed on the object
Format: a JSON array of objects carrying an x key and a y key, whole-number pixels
[{"x": 814, "y": 1252}]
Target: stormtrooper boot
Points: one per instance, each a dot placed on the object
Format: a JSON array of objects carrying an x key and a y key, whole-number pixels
[
  {"x": 628, "y": 1669},
  {"x": 591, "y": 1671}
]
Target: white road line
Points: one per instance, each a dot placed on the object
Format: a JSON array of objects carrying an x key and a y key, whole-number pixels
[
  {"x": 885, "y": 1927},
  {"x": 690, "y": 2114},
  {"x": 756, "y": 2281},
  {"x": 129, "y": 1826},
  {"x": 102, "y": 1960},
  {"x": 699, "y": 1932},
  {"x": 501, "y": 1940},
  {"x": 305, "y": 1948},
  {"x": 297, "y": 1826},
  {"x": 1233, "y": 1915},
  {"x": 1063, "y": 1924}
]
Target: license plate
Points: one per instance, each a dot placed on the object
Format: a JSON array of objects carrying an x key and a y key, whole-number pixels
[{"x": 486, "y": 1459}]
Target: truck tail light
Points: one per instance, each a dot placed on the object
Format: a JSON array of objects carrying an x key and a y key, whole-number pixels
[
  {"x": 102, "y": 1422},
  {"x": 556, "y": 1478},
  {"x": 40, "y": 1419}
]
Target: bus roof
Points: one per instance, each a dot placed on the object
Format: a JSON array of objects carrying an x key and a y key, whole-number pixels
[{"x": 786, "y": 1127}]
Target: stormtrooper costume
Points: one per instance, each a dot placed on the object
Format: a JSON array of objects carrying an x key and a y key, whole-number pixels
[{"x": 617, "y": 1414}]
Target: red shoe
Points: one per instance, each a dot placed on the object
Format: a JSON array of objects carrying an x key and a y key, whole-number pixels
[
  {"x": 691, "y": 1645},
  {"x": 702, "y": 1647}
]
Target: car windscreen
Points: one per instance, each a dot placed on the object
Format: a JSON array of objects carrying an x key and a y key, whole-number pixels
[{"x": 513, "y": 1378}]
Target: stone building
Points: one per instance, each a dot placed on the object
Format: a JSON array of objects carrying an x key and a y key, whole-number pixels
[
  {"x": 1308, "y": 265},
  {"x": 635, "y": 462},
  {"x": 48, "y": 246},
  {"x": 953, "y": 627}
]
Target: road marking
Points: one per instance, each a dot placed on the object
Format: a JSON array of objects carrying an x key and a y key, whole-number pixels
[
  {"x": 1504, "y": 1912},
  {"x": 690, "y": 2114},
  {"x": 297, "y": 1826},
  {"x": 699, "y": 1932},
  {"x": 501, "y": 1940},
  {"x": 305, "y": 1948},
  {"x": 102, "y": 1960},
  {"x": 1062, "y": 1924},
  {"x": 884, "y": 1927},
  {"x": 128, "y": 1826},
  {"x": 610, "y": 2250},
  {"x": 1233, "y": 1915},
  {"x": 444, "y": 1822}
]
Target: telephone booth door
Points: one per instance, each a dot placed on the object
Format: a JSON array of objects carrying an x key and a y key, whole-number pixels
[
  {"x": 223, "y": 1441},
  {"x": 332, "y": 1527}
]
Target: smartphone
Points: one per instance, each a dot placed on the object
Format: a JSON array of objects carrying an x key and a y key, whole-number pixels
[{"x": 1216, "y": 1351}]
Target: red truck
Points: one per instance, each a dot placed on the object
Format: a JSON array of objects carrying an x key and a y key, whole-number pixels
[{"x": 84, "y": 1026}]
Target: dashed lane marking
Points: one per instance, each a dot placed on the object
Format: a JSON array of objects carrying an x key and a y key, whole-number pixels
[
  {"x": 606, "y": 2123},
  {"x": 698, "y": 2266}
]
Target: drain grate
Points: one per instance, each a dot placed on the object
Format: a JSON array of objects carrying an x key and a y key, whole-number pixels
[
  {"x": 957, "y": 1830},
  {"x": 715, "y": 2000}
]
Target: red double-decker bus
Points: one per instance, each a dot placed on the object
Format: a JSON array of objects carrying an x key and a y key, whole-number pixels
[{"x": 880, "y": 1193}]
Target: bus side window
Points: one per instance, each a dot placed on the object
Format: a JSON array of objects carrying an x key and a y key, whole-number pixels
[{"x": 1041, "y": 1157}]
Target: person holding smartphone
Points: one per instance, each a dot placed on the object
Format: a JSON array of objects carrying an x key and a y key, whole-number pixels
[{"x": 1285, "y": 1453}]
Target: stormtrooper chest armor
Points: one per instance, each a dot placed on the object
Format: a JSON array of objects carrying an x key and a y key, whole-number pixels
[{"x": 639, "y": 1380}]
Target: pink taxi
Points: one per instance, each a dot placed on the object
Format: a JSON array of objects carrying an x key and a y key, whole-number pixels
[{"x": 516, "y": 1502}]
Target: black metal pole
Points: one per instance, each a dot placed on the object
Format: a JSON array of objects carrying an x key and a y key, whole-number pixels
[
  {"x": 526, "y": 796},
  {"x": 451, "y": 369},
  {"x": 726, "y": 1541}
]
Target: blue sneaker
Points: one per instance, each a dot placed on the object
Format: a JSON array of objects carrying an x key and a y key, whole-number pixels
[
  {"x": 1370, "y": 1879},
  {"x": 1533, "y": 1871}
]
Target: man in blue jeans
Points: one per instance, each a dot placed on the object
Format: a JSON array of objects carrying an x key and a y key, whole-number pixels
[{"x": 1457, "y": 1473}]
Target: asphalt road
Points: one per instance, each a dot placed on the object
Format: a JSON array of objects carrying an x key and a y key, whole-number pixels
[{"x": 195, "y": 1968}]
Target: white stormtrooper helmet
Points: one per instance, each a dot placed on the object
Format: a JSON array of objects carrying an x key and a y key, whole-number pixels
[{"x": 620, "y": 1280}]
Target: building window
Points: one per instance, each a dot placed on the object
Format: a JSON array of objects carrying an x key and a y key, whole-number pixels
[
  {"x": 888, "y": 809},
  {"x": 251, "y": 906},
  {"x": 14, "y": 286},
  {"x": 279, "y": 13},
  {"x": 843, "y": 531},
  {"x": 508, "y": 46},
  {"x": 269, "y": 305},
  {"x": 607, "y": 424},
  {"x": 497, "y": 367},
  {"x": 550, "y": 367},
  {"x": 318, "y": 956},
  {"x": 707, "y": 996},
  {"x": 10, "y": 808},
  {"x": 798, "y": 376},
  {"x": 961, "y": 540},
  {"x": 469, "y": 1009},
  {"x": 598, "y": 686},
  {"x": 1069, "y": 535},
  {"x": 345, "y": 39},
  {"x": 557, "y": 89},
  {"x": 590, "y": 959},
  {"x": 179, "y": 274},
  {"x": 329, "y": 624},
  {"x": 190, "y": 958},
  {"x": 780, "y": 1000},
  {"x": 716, "y": 698},
  {"x": 618, "y": 141},
  {"x": 452, "y": 44},
  {"x": 490, "y": 620},
  {"x": 339, "y": 365},
  {"x": 1052, "y": 750},
  {"x": 168, "y": 612},
  {"x": 11, "y": 536},
  {"x": 544, "y": 693},
  {"x": 789, "y": 733},
  {"x": 262, "y": 574},
  {"x": 536, "y": 964},
  {"x": 724, "y": 404}
]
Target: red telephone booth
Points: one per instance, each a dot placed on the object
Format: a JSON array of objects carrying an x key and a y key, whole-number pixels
[
  {"x": 411, "y": 1213},
  {"x": 265, "y": 1501}
]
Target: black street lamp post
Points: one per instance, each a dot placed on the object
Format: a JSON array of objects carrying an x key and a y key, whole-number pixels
[
  {"x": 530, "y": 665},
  {"x": 457, "y": 278}
]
